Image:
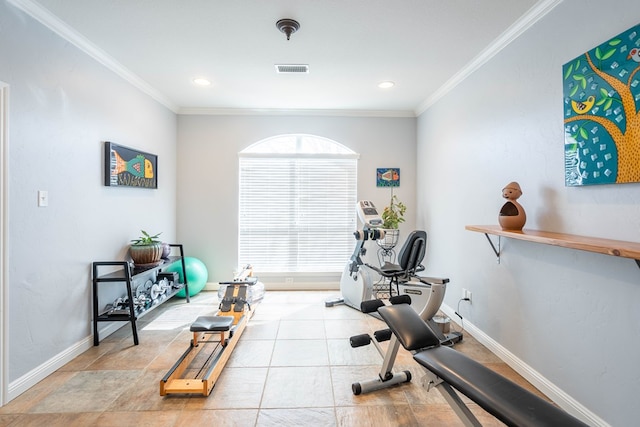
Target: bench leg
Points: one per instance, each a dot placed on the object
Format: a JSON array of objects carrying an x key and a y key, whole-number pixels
[
  {"x": 200, "y": 337},
  {"x": 463, "y": 412},
  {"x": 458, "y": 406}
]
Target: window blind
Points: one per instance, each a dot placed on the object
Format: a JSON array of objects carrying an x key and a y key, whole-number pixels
[{"x": 297, "y": 212}]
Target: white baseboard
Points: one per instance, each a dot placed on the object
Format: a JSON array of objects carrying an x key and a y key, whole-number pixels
[
  {"x": 31, "y": 378},
  {"x": 282, "y": 286},
  {"x": 311, "y": 286},
  {"x": 211, "y": 286},
  {"x": 550, "y": 390}
]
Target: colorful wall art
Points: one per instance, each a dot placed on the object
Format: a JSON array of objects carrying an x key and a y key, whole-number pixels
[
  {"x": 127, "y": 167},
  {"x": 601, "y": 121},
  {"x": 388, "y": 177}
]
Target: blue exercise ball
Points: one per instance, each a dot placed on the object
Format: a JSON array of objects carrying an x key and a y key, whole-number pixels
[{"x": 197, "y": 275}]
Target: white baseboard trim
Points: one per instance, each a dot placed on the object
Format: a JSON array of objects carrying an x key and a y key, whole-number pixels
[
  {"x": 211, "y": 286},
  {"x": 282, "y": 286},
  {"x": 31, "y": 378},
  {"x": 310, "y": 286},
  {"x": 553, "y": 392}
]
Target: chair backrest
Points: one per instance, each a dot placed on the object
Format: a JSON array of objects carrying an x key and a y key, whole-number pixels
[{"x": 413, "y": 251}]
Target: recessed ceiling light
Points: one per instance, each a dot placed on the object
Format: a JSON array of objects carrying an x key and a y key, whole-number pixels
[
  {"x": 201, "y": 81},
  {"x": 386, "y": 85}
]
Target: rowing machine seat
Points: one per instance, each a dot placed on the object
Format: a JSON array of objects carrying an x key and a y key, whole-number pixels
[{"x": 212, "y": 324}]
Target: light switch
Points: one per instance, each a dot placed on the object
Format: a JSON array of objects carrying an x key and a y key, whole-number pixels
[{"x": 43, "y": 198}]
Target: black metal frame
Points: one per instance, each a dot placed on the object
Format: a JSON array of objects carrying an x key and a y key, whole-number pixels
[{"x": 124, "y": 275}]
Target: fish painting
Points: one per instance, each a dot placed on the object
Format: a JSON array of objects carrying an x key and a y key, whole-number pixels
[
  {"x": 128, "y": 167},
  {"x": 139, "y": 166},
  {"x": 388, "y": 177}
]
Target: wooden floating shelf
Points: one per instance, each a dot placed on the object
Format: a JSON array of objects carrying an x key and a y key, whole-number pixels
[{"x": 592, "y": 244}]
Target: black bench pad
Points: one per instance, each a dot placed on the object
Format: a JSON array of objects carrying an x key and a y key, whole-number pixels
[
  {"x": 499, "y": 396},
  {"x": 412, "y": 332},
  {"x": 212, "y": 324}
]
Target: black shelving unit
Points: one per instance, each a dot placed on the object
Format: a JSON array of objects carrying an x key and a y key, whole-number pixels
[{"x": 125, "y": 274}]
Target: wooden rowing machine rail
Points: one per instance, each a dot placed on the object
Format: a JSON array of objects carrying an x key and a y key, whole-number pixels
[{"x": 196, "y": 373}]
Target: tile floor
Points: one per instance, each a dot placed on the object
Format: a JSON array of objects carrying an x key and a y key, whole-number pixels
[{"x": 293, "y": 366}]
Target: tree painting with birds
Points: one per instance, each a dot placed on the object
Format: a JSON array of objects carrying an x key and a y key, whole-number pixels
[{"x": 601, "y": 91}]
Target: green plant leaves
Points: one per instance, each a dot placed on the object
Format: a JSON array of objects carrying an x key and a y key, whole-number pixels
[
  {"x": 393, "y": 214},
  {"x": 568, "y": 72},
  {"x": 581, "y": 79},
  {"x": 146, "y": 239},
  {"x": 584, "y": 134},
  {"x": 608, "y": 53}
]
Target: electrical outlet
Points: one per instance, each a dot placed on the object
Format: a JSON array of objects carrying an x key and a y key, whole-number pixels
[
  {"x": 288, "y": 280},
  {"x": 466, "y": 294}
]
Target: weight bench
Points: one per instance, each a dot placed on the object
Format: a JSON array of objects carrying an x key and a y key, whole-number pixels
[{"x": 448, "y": 369}]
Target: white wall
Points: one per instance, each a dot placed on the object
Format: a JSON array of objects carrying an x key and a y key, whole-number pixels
[
  {"x": 208, "y": 173},
  {"x": 572, "y": 316},
  {"x": 63, "y": 105}
]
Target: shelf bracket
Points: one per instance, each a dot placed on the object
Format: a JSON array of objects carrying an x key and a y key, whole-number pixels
[
  {"x": 638, "y": 262},
  {"x": 497, "y": 251}
]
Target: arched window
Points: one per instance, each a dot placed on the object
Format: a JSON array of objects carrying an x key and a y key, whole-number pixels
[{"x": 297, "y": 204}]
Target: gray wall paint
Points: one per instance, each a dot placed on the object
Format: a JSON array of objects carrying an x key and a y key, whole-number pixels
[
  {"x": 63, "y": 105},
  {"x": 571, "y": 315},
  {"x": 208, "y": 172}
]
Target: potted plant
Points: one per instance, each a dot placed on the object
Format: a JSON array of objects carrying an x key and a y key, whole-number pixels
[
  {"x": 392, "y": 216},
  {"x": 146, "y": 250}
]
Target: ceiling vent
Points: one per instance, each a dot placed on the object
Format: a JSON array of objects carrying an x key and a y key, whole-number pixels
[{"x": 292, "y": 68}]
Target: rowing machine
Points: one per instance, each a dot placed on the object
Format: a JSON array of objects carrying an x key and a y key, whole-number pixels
[{"x": 224, "y": 330}]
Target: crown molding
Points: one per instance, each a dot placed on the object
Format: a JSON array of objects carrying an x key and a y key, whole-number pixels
[
  {"x": 46, "y": 18},
  {"x": 293, "y": 112},
  {"x": 533, "y": 15}
]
